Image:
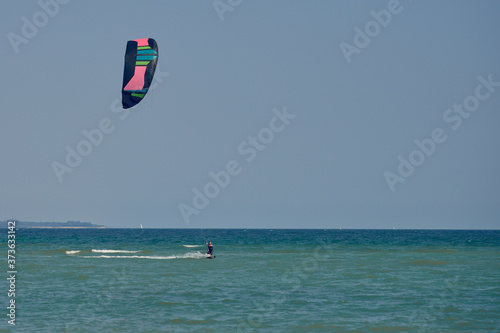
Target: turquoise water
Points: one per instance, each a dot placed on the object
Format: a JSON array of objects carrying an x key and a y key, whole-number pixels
[{"x": 130, "y": 280}]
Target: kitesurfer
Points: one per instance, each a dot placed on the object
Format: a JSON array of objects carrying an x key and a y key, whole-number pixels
[{"x": 210, "y": 248}]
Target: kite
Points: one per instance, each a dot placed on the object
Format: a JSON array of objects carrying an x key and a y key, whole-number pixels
[{"x": 140, "y": 64}]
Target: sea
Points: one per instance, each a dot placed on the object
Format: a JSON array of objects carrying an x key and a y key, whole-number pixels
[{"x": 159, "y": 280}]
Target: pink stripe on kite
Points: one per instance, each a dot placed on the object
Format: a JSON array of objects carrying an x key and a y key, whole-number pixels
[
  {"x": 137, "y": 81},
  {"x": 142, "y": 41}
]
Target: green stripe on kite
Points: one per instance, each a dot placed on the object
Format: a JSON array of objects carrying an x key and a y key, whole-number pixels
[
  {"x": 138, "y": 95},
  {"x": 143, "y": 48},
  {"x": 142, "y": 63}
]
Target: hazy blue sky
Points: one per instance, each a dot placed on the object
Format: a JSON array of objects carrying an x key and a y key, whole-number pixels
[{"x": 355, "y": 83}]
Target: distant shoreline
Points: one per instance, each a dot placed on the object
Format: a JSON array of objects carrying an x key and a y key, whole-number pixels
[
  {"x": 51, "y": 225},
  {"x": 43, "y": 227}
]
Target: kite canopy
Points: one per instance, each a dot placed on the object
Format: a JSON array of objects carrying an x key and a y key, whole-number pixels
[{"x": 140, "y": 64}]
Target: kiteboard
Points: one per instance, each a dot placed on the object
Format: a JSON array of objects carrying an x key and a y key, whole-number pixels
[{"x": 210, "y": 256}]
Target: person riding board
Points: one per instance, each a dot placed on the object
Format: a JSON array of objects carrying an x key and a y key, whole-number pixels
[{"x": 210, "y": 248}]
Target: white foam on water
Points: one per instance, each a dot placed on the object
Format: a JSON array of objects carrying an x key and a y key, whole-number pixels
[
  {"x": 190, "y": 255},
  {"x": 192, "y": 245},
  {"x": 72, "y": 252},
  {"x": 130, "y": 257},
  {"x": 193, "y": 255},
  {"x": 113, "y": 251}
]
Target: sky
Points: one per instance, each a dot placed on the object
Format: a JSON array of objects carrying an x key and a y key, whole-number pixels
[{"x": 263, "y": 114}]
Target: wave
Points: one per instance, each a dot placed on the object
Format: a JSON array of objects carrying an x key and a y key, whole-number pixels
[
  {"x": 113, "y": 251},
  {"x": 192, "y": 245},
  {"x": 129, "y": 257},
  {"x": 72, "y": 252},
  {"x": 190, "y": 255}
]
